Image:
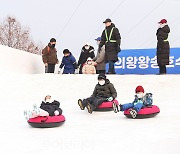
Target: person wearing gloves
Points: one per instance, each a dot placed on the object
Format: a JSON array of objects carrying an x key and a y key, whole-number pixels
[
  {"x": 89, "y": 67},
  {"x": 86, "y": 52},
  {"x": 141, "y": 99},
  {"x": 100, "y": 58},
  {"x": 48, "y": 107},
  {"x": 49, "y": 56},
  {"x": 103, "y": 91},
  {"x": 68, "y": 62}
]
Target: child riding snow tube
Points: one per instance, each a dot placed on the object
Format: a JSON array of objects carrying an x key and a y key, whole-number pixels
[
  {"x": 145, "y": 112},
  {"x": 47, "y": 121}
]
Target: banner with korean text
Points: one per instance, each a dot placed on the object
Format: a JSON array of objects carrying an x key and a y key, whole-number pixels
[{"x": 144, "y": 61}]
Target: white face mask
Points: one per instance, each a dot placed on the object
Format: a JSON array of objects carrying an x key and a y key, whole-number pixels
[
  {"x": 139, "y": 95},
  {"x": 87, "y": 47},
  {"x": 49, "y": 100},
  {"x": 98, "y": 42},
  {"x": 89, "y": 62},
  {"x": 101, "y": 82}
]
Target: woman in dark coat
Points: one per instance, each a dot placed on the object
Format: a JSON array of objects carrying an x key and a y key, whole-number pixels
[
  {"x": 86, "y": 52},
  {"x": 163, "y": 48}
]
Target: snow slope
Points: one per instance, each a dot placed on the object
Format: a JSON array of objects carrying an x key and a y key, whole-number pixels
[
  {"x": 19, "y": 62},
  {"x": 101, "y": 132}
]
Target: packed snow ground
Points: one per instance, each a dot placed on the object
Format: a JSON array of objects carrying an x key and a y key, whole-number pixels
[{"x": 101, "y": 132}]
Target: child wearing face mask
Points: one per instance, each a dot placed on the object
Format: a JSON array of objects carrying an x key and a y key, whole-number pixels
[
  {"x": 89, "y": 67},
  {"x": 68, "y": 62},
  {"x": 103, "y": 91},
  {"x": 48, "y": 107},
  {"x": 141, "y": 99}
]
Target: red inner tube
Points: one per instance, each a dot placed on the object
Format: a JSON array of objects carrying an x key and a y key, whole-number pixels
[
  {"x": 108, "y": 104},
  {"x": 48, "y": 119},
  {"x": 146, "y": 110}
]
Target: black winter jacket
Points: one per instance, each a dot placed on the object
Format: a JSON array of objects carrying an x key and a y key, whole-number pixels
[
  {"x": 105, "y": 91},
  {"x": 163, "y": 47},
  {"x": 85, "y": 54},
  {"x": 51, "y": 107},
  {"x": 111, "y": 48}
]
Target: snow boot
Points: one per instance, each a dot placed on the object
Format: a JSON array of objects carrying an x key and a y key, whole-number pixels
[
  {"x": 80, "y": 104},
  {"x": 89, "y": 108},
  {"x": 117, "y": 107},
  {"x": 28, "y": 114},
  {"x": 36, "y": 109},
  {"x": 133, "y": 113}
]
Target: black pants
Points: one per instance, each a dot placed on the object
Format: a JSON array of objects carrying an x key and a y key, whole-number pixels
[
  {"x": 100, "y": 71},
  {"x": 80, "y": 69},
  {"x": 162, "y": 69},
  {"x": 94, "y": 101},
  {"x": 50, "y": 68}
]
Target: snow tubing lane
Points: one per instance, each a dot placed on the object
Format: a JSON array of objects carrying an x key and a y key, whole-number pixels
[
  {"x": 46, "y": 122},
  {"x": 145, "y": 112},
  {"x": 106, "y": 106}
]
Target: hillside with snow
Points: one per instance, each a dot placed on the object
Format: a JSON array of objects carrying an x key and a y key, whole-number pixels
[{"x": 99, "y": 132}]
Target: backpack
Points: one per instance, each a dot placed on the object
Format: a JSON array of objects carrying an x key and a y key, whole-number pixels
[{"x": 148, "y": 100}]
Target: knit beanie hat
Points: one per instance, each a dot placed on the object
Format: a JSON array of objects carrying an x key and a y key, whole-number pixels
[
  {"x": 102, "y": 76},
  {"x": 52, "y": 40},
  {"x": 139, "y": 89},
  {"x": 66, "y": 51}
]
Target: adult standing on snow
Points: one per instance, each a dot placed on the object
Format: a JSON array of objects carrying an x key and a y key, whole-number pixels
[
  {"x": 49, "y": 56},
  {"x": 163, "y": 48},
  {"x": 100, "y": 58},
  {"x": 112, "y": 39},
  {"x": 86, "y": 52}
]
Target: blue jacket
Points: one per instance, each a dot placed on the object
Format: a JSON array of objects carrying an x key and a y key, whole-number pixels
[
  {"x": 147, "y": 99},
  {"x": 69, "y": 64}
]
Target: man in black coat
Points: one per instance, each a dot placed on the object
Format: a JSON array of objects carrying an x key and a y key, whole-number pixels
[
  {"x": 86, "y": 52},
  {"x": 163, "y": 48},
  {"x": 112, "y": 39},
  {"x": 103, "y": 91}
]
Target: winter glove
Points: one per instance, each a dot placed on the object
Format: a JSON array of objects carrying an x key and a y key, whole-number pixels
[
  {"x": 56, "y": 112},
  {"x": 76, "y": 71},
  {"x": 60, "y": 71},
  {"x": 110, "y": 99}
]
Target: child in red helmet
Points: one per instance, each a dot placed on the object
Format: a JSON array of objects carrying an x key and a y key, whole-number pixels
[{"x": 141, "y": 99}]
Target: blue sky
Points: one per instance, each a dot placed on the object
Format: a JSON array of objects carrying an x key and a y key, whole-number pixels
[{"x": 74, "y": 23}]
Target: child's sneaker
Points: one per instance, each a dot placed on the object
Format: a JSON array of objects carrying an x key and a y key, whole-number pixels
[
  {"x": 27, "y": 114},
  {"x": 116, "y": 107},
  {"x": 80, "y": 104},
  {"x": 89, "y": 108},
  {"x": 133, "y": 113},
  {"x": 36, "y": 109}
]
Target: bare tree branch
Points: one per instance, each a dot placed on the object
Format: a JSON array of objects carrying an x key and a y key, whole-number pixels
[{"x": 12, "y": 34}]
